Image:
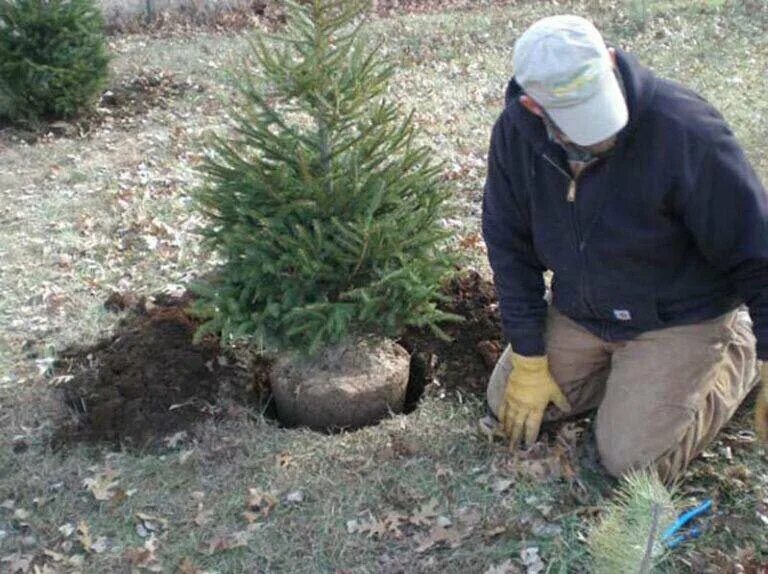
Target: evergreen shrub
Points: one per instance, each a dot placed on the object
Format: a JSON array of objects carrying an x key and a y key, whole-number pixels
[
  {"x": 325, "y": 212},
  {"x": 53, "y": 58}
]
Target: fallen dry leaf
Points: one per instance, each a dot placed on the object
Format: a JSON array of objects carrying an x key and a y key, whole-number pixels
[
  {"x": 442, "y": 471},
  {"x": 75, "y": 561},
  {"x": 55, "y": 556},
  {"x": 185, "y": 455},
  {"x": 493, "y": 532},
  {"x": 144, "y": 557},
  {"x": 258, "y": 503},
  {"x": 174, "y": 440},
  {"x": 186, "y": 566},
  {"x": 501, "y": 485},
  {"x": 506, "y": 567},
  {"x": 17, "y": 562},
  {"x": 284, "y": 460},
  {"x": 439, "y": 535},
  {"x": 251, "y": 517},
  {"x": 223, "y": 543},
  {"x": 374, "y": 528},
  {"x": 84, "y": 535},
  {"x": 531, "y": 560},
  {"x": 102, "y": 486},
  {"x": 469, "y": 517},
  {"x": 202, "y": 515},
  {"x": 470, "y": 241},
  {"x": 99, "y": 545},
  {"x": 294, "y": 497},
  {"x": 393, "y": 521},
  {"x": 149, "y": 526},
  {"x": 20, "y": 514},
  {"x": 424, "y": 514},
  {"x": 89, "y": 545}
]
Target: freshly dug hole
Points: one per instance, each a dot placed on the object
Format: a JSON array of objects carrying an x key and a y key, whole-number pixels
[
  {"x": 463, "y": 364},
  {"x": 149, "y": 381}
]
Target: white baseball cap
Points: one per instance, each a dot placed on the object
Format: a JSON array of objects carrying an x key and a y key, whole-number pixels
[{"x": 562, "y": 62}]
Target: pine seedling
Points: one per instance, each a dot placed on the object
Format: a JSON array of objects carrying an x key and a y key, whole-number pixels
[{"x": 627, "y": 539}]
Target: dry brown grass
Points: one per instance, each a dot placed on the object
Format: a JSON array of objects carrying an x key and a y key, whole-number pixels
[{"x": 82, "y": 216}]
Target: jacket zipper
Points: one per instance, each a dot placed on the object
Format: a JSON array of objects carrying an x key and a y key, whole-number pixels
[
  {"x": 580, "y": 244},
  {"x": 573, "y": 183}
]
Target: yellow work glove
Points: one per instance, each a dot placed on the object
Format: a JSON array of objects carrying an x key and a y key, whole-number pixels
[
  {"x": 530, "y": 388},
  {"x": 761, "y": 408}
]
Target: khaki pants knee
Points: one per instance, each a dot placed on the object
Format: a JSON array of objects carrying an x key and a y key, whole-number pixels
[
  {"x": 670, "y": 391},
  {"x": 661, "y": 397}
]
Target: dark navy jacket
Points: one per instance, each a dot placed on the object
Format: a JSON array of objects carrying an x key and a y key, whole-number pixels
[{"x": 671, "y": 229}]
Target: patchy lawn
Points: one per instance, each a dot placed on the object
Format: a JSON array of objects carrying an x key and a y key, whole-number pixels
[{"x": 84, "y": 215}]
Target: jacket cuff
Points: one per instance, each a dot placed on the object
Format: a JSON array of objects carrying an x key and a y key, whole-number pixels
[{"x": 530, "y": 345}]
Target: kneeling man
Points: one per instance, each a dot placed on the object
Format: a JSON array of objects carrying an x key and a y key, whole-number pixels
[{"x": 632, "y": 190}]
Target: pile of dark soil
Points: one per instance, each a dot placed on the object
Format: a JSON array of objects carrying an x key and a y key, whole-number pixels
[
  {"x": 466, "y": 361},
  {"x": 147, "y": 382},
  {"x": 135, "y": 95}
]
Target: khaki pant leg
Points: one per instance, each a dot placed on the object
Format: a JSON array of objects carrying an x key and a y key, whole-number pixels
[
  {"x": 578, "y": 361},
  {"x": 671, "y": 390}
]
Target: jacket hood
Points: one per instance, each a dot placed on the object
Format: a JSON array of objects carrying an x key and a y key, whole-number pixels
[{"x": 639, "y": 88}]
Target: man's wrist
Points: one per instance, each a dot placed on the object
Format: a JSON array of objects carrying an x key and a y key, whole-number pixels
[
  {"x": 527, "y": 345},
  {"x": 529, "y": 364}
]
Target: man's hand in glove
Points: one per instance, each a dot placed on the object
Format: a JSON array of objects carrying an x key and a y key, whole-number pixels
[
  {"x": 530, "y": 388},
  {"x": 761, "y": 408}
]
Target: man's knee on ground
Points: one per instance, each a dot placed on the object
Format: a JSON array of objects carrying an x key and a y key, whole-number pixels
[
  {"x": 619, "y": 457},
  {"x": 616, "y": 459}
]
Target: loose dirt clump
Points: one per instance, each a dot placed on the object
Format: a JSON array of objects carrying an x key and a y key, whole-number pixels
[
  {"x": 136, "y": 95},
  {"x": 145, "y": 383},
  {"x": 466, "y": 361}
]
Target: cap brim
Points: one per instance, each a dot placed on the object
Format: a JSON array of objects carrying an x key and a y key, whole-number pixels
[{"x": 596, "y": 119}]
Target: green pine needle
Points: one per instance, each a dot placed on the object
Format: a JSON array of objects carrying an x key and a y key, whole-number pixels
[{"x": 627, "y": 539}]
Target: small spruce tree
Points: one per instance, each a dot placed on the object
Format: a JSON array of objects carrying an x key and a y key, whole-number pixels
[
  {"x": 326, "y": 214},
  {"x": 53, "y": 58}
]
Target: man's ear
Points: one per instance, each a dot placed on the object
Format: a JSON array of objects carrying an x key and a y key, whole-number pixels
[
  {"x": 612, "y": 53},
  {"x": 529, "y": 104}
]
